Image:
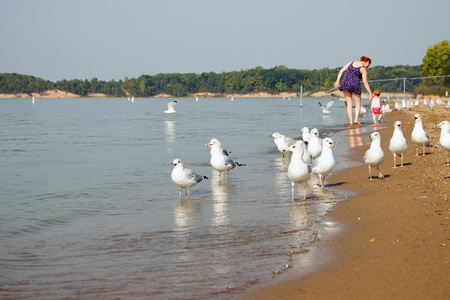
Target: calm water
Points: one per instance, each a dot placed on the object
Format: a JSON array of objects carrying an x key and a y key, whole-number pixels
[{"x": 88, "y": 208}]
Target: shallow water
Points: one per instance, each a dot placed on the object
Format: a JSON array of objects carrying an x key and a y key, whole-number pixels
[{"x": 88, "y": 208}]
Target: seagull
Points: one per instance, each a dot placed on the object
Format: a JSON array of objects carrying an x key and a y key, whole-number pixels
[
  {"x": 374, "y": 157},
  {"x": 314, "y": 144},
  {"x": 324, "y": 164},
  {"x": 170, "y": 109},
  {"x": 220, "y": 160},
  {"x": 440, "y": 102},
  {"x": 431, "y": 104},
  {"x": 326, "y": 108},
  {"x": 418, "y": 135},
  {"x": 448, "y": 105},
  {"x": 298, "y": 170},
  {"x": 417, "y": 102},
  {"x": 425, "y": 102},
  {"x": 184, "y": 178},
  {"x": 445, "y": 137},
  {"x": 398, "y": 145},
  {"x": 362, "y": 110},
  {"x": 282, "y": 143},
  {"x": 305, "y": 134}
]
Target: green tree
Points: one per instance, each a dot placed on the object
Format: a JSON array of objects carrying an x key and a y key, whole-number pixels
[{"x": 437, "y": 61}]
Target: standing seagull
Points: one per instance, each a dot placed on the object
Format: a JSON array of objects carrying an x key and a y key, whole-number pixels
[
  {"x": 324, "y": 164},
  {"x": 419, "y": 136},
  {"x": 314, "y": 145},
  {"x": 170, "y": 109},
  {"x": 298, "y": 170},
  {"x": 398, "y": 145},
  {"x": 305, "y": 134},
  {"x": 374, "y": 157},
  {"x": 282, "y": 143},
  {"x": 220, "y": 160},
  {"x": 325, "y": 109},
  {"x": 184, "y": 178},
  {"x": 445, "y": 137}
]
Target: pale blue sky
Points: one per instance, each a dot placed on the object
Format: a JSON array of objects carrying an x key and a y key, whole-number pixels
[{"x": 111, "y": 39}]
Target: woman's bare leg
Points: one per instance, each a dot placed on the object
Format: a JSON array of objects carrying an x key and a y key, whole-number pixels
[
  {"x": 348, "y": 100},
  {"x": 357, "y": 107}
]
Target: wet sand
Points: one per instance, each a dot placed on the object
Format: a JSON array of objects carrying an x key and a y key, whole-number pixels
[{"x": 394, "y": 242}]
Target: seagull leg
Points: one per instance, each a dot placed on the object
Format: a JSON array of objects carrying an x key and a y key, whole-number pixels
[
  {"x": 370, "y": 173},
  {"x": 448, "y": 162},
  {"x": 417, "y": 150},
  {"x": 304, "y": 190},
  {"x": 402, "y": 161},
  {"x": 395, "y": 157},
  {"x": 189, "y": 193},
  {"x": 226, "y": 176},
  {"x": 379, "y": 173},
  {"x": 292, "y": 190},
  {"x": 180, "y": 194},
  {"x": 423, "y": 148}
]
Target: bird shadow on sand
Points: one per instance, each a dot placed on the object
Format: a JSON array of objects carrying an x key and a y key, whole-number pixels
[{"x": 335, "y": 184}]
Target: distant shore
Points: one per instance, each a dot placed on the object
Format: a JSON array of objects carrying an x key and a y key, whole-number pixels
[{"x": 335, "y": 93}]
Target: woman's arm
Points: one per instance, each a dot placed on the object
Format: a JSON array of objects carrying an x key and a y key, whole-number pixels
[
  {"x": 366, "y": 84},
  {"x": 344, "y": 68}
]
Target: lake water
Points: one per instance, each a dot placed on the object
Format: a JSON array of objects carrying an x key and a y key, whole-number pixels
[{"x": 88, "y": 209}]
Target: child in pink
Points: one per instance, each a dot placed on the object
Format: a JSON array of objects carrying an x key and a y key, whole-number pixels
[{"x": 376, "y": 106}]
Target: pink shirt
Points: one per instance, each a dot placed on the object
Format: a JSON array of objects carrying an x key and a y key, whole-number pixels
[{"x": 376, "y": 102}]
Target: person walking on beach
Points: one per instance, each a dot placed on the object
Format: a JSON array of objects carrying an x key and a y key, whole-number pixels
[
  {"x": 351, "y": 85},
  {"x": 376, "y": 106}
]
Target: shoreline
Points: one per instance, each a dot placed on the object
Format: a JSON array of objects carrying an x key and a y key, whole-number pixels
[
  {"x": 393, "y": 239},
  {"x": 320, "y": 94}
]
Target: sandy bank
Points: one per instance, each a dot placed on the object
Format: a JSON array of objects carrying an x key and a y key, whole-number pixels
[
  {"x": 61, "y": 94},
  {"x": 395, "y": 239}
]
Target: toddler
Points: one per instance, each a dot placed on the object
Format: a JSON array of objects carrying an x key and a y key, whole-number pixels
[{"x": 376, "y": 106}]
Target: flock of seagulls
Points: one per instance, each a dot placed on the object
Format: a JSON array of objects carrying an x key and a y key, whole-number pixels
[
  {"x": 313, "y": 155},
  {"x": 220, "y": 161},
  {"x": 374, "y": 156},
  {"x": 309, "y": 155}
]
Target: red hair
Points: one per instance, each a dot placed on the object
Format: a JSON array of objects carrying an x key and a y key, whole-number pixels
[{"x": 364, "y": 59}]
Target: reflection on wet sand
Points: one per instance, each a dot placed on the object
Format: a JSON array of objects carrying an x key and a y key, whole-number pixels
[
  {"x": 219, "y": 193},
  {"x": 184, "y": 212},
  {"x": 282, "y": 182}
]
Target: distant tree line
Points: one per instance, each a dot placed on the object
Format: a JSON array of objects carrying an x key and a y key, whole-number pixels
[
  {"x": 273, "y": 81},
  {"x": 278, "y": 79}
]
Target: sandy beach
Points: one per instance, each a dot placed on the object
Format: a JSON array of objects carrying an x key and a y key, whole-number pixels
[{"x": 394, "y": 242}]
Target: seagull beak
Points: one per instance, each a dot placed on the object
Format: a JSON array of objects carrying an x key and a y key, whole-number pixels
[
  {"x": 208, "y": 145},
  {"x": 173, "y": 165}
]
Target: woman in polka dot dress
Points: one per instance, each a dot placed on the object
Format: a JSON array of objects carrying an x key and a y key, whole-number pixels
[{"x": 351, "y": 84}]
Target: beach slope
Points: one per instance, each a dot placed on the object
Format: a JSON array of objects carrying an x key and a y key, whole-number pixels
[{"x": 395, "y": 239}]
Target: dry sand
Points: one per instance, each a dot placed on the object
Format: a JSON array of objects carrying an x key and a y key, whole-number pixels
[{"x": 395, "y": 241}]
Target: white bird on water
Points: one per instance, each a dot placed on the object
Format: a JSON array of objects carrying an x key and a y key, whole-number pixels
[
  {"x": 170, "y": 108},
  {"x": 298, "y": 170},
  {"x": 324, "y": 164},
  {"x": 418, "y": 135},
  {"x": 362, "y": 110},
  {"x": 326, "y": 109},
  {"x": 184, "y": 178},
  {"x": 398, "y": 145},
  {"x": 220, "y": 160},
  {"x": 283, "y": 142},
  {"x": 374, "y": 156},
  {"x": 445, "y": 137}
]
